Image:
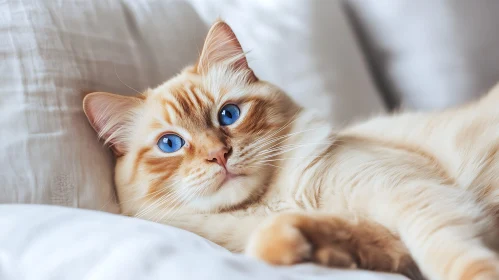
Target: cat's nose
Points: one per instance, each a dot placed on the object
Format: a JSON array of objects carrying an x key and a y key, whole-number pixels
[{"x": 220, "y": 155}]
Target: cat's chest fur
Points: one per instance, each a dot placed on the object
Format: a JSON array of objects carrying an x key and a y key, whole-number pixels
[
  {"x": 341, "y": 172},
  {"x": 305, "y": 171},
  {"x": 351, "y": 172}
]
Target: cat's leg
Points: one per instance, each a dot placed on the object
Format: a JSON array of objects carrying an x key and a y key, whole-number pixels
[
  {"x": 226, "y": 229},
  {"x": 332, "y": 241},
  {"x": 443, "y": 227}
]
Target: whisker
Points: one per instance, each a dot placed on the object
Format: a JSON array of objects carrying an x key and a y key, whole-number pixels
[
  {"x": 288, "y": 136},
  {"x": 172, "y": 199},
  {"x": 272, "y": 133},
  {"x": 149, "y": 194},
  {"x": 151, "y": 206},
  {"x": 180, "y": 202},
  {"x": 266, "y": 164},
  {"x": 280, "y": 152},
  {"x": 115, "y": 72},
  {"x": 281, "y": 139},
  {"x": 293, "y": 133},
  {"x": 281, "y": 159},
  {"x": 160, "y": 201},
  {"x": 268, "y": 158},
  {"x": 266, "y": 151}
]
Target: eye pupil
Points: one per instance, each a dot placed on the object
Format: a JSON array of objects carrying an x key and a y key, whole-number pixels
[{"x": 228, "y": 115}]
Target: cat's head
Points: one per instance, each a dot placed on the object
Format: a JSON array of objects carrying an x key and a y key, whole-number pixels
[{"x": 202, "y": 140}]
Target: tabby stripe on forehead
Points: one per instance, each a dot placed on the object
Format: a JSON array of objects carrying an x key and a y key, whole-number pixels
[
  {"x": 157, "y": 125},
  {"x": 187, "y": 95},
  {"x": 183, "y": 100},
  {"x": 166, "y": 117},
  {"x": 195, "y": 92},
  {"x": 174, "y": 107},
  {"x": 206, "y": 94}
]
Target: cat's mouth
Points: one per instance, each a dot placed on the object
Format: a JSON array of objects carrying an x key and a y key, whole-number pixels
[{"x": 229, "y": 176}]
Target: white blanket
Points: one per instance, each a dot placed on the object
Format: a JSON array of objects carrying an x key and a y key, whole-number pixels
[{"x": 50, "y": 242}]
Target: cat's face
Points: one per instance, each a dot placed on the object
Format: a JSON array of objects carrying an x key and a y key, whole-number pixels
[{"x": 202, "y": 140}]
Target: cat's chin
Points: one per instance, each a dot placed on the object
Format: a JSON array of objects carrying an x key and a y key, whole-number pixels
[{"x": 232, "y": 191}]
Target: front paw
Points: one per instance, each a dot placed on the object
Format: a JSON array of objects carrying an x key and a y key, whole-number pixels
[
  {"x": 291, "y": 238},
  {"x": 279, "y": 242},
  {"x": 282, "y": 240}
]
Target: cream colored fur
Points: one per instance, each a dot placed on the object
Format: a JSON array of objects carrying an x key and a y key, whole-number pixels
[
  {"x": 430, "y": 178},
  {"x": 442, "y": 218}
]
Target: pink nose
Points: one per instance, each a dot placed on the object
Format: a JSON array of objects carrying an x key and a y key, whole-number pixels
[{"x": 219, "y": 156}]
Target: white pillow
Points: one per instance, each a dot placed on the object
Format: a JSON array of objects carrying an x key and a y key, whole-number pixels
[
  {"x": 54, "y": 51},
  {"x": 47, "y": 242},
  {"x": 432, "y": 54}
]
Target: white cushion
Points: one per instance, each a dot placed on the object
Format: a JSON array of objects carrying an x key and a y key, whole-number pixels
[
  {"x": 54, "y": 51},
  {"x": 432, "y": 54},
  {"x": 48, "y": 242}
]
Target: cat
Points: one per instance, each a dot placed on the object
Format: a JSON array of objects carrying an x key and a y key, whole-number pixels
[{"x": 223, "y": 154}]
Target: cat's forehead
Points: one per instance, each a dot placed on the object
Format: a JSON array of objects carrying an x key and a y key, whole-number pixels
[
  {"x": 183, "y": 102},
  {"x": 191, "y": 97}
]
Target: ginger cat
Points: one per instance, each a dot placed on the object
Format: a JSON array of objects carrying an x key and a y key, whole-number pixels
[{"x": 220, "y": 153}]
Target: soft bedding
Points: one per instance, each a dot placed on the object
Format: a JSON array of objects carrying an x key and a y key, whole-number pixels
[{"x": 52, "y": 242}]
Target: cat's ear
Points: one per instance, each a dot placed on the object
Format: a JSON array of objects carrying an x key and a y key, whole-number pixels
[
  {"x": 111, "y": 116},
  {"x": 222, "y": 47}
]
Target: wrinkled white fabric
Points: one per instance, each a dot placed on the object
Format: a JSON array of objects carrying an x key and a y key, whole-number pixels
[
  {"x": 50, "y": 242},
  {"x": 431, "y": 54}
]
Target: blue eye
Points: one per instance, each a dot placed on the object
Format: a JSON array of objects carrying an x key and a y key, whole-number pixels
[
  {"x": 228, "y": 115},
  {"x": 170, "y": 143}
]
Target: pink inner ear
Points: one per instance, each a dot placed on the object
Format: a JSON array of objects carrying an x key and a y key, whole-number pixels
[
  {"x": 96, "y": 114},
  {"x": 109, "y": 115},
  {"x": 221, "y": 46}
]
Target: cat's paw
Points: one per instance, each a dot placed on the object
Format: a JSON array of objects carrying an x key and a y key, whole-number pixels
[
  {"x": 282, "y": 240},
  {"x": 292, "y": 238},
  {"x": 279, "y": 242}
]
